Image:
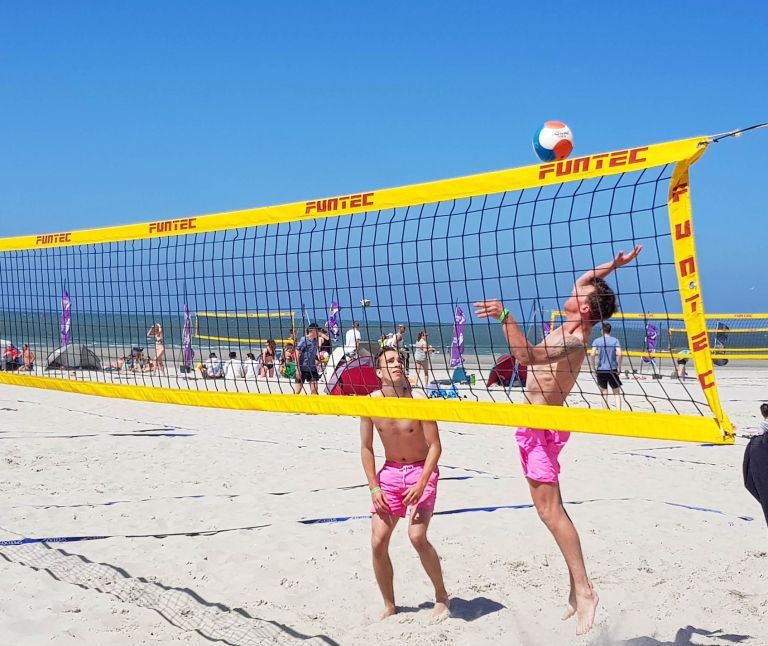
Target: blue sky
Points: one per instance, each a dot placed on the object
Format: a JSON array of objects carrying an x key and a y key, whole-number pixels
[{"x": 121, "y": 112}]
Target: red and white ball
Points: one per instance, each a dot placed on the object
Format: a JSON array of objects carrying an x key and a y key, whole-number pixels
[{"x": 553, "y": 141}]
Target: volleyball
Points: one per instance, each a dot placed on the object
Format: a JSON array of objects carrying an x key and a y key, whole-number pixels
[{"x": 553, "y": 141}]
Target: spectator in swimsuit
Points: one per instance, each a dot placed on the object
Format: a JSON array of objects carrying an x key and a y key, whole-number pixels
[
  {"x": 421, "y": 356},
  {"x": 289, "y": 361},
  {"x": 156, "y": 331},
  {"x": 268, "y": 359},
  {"x": 27, "y": 359},
  {"x": 249, "y": 366}
]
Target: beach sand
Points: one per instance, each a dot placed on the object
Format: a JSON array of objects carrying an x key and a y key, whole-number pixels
[{"x": 203, "y": 511}]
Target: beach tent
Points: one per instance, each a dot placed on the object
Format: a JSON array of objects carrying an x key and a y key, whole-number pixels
[
  {"x": 355, "y": 377},
  {"x": 73, "y": 356},
  {"x": 504, "y": 372}
]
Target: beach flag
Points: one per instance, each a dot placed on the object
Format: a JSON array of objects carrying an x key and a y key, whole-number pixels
[
  {"x": 457, "y": 344},
  {"x": 546, "y": 328},
  {"x": 332, "y": 325},
  {"x": 65, "y": 322},
  {"x": 188, "y": 354},
  {"x": 651, "y": 338}
]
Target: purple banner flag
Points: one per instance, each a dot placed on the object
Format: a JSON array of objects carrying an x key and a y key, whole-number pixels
[
  {"x": 65, "y": 321},
  {"x": 188, "y": 354},
  {"x": 332, "y": 325},
  {"x": 546, "y": 327},
  {"x": 651, "y": 337},
  {"x": 457, "y": 344}
]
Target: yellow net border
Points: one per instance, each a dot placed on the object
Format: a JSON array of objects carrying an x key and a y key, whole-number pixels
[{"x": 683, "y": 153}]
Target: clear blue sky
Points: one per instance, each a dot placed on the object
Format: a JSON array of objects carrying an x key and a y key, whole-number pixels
[{"x": 113, "y": 113}]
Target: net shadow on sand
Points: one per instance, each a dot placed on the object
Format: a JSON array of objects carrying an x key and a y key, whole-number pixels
[
  {"x": 684, "y": 637},
  {"x": 181, "y": 607}
]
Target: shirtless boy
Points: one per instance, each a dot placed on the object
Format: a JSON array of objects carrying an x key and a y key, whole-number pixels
[
  {"x": 408, "y": 480},
  {"x": 554, "y": 366}
]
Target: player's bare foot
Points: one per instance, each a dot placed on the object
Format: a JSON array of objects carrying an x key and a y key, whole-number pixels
[
  {"x": 441, "y": 609},
  {"x": 570, "y": 609},
  {"x": 389, "y": 610},
  {"x": 586, "y": 605}
]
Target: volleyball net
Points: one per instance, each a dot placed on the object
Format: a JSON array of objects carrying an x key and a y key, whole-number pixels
[{"x": 211, "y": 310}]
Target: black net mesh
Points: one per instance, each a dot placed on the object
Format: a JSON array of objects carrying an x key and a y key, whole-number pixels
[{"x": 197, "y": 311}]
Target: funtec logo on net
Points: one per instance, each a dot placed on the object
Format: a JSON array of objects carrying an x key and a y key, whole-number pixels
[
  {"x": 567, "y": 167},
  {"x": 53, "y": 238},
  {"x": 356, "y": 201}
]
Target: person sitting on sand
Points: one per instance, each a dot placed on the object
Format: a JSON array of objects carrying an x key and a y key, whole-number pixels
[
  {"x": 755, "y": 465},
  {"x": 233, "y": 368},
  {"x": 27, "y": 359},
  {"x": 250, "y": 367},
  {"x": 406, "y": 481},
  {"x": 212, "y": 367},
  {"x": 554, "y": 365}
]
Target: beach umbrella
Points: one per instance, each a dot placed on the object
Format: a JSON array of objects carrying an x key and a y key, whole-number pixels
[
  {"x": 332, "y": 325},
  {"x": 457, "y": 343},
  {"x": 188, "y": 354},
  {"x": 651, "y": 338},
  {"x": 65, "y": 321}
]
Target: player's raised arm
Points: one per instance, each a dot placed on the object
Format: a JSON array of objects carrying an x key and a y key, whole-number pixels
[
  {"x": 601, "y": 271},
  {"x": 556, "y": 346}
]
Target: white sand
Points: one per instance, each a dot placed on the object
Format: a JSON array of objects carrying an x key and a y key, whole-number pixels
[{"x": 660, "y": 568}]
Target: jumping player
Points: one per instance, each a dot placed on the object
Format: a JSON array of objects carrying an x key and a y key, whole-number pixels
[
  {"x": 554, "y": 367},
  {"x": 407, "y": 481}
]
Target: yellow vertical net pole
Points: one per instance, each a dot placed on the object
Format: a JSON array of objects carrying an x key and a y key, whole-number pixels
[{"x": 687, "y": 269}]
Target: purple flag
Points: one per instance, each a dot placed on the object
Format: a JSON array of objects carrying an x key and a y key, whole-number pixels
[
  {"x": 332, "y": 325},
  {"x": 546, "y": 327},
  {"x": 65, "y": 321},
  {"x": 651, "y": 337},
  {"x": 188, "y": 354},
  {"x": 457, "y": 344}
]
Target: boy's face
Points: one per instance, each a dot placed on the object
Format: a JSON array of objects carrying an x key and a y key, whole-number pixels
[
  {"x": 578, "y": 302},
  {"x": 390, "y": 368}
]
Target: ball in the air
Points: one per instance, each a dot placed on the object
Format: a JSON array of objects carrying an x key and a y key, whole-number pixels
[{"x": 553, "y": 141}]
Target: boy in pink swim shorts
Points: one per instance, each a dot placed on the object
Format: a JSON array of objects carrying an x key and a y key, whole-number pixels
[
  {"x": 553, "y": 367},
  {"x": 406, "y": 482}
]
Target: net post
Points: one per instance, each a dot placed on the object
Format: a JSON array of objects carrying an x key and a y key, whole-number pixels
[{"x": 686, "y": 268}]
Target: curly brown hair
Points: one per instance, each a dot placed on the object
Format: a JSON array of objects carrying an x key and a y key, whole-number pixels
[{"x": 602, "y": 302}]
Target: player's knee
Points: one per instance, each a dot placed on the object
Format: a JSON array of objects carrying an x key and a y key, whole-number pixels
[
  {"x": 549, "y": 512},
  {"x": 418, "y": 539},
  {"x": 380, "y": 543}
]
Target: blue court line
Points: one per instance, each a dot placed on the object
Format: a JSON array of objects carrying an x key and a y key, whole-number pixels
[{"x": 342, "y": 519}]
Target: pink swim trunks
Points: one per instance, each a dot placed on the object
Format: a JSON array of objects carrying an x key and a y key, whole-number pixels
[
  {"x": 395, "y": 479},
  {"x": 539, "y": 450}
]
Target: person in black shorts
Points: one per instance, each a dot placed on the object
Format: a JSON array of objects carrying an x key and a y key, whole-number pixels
[
  {"x": 606, "y": 362},
  {"x": 306, "y": 360}
]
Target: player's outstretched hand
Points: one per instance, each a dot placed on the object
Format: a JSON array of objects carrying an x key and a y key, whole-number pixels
[
  {"x": 489, "y": 309},
  {"x": 622, "y": 258}
]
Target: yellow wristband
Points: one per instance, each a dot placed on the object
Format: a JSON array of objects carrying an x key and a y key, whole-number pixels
[
  {"x": 504, "y": 314},
  {"x": 375, "y": 490}
]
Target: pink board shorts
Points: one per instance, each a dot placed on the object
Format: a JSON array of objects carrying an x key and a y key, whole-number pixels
[
  {"x": 539, "y": 451},
  {"x": 395, "y": 479}
]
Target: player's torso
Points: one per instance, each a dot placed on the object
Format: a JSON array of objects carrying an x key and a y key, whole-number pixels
[
  {"x": 551, "y": 383},
  {"x": 403, "y": 439}
]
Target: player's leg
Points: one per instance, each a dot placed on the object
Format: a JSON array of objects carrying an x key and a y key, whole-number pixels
[
  {"x": 582, "y": 598},
  {"x": 417, "y": 532},
  {"x": 381, "y": 532}
]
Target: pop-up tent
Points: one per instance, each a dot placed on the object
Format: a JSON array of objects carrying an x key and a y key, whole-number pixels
[
  {"x": 355, "y": 377},
  {"x": 504, "y": 372},
  {"x": 73, "y": 356}
]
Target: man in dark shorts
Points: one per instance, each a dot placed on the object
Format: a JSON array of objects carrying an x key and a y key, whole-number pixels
[
  {"x": 306, "y": 360},
  {"x": 606, "y": 361}
]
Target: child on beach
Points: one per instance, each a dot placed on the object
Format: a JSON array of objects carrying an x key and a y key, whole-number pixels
[{"x": 406, "y": 481}]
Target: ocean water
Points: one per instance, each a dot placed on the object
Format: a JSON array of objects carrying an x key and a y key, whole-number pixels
[{"x": 41, "y": 331}]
